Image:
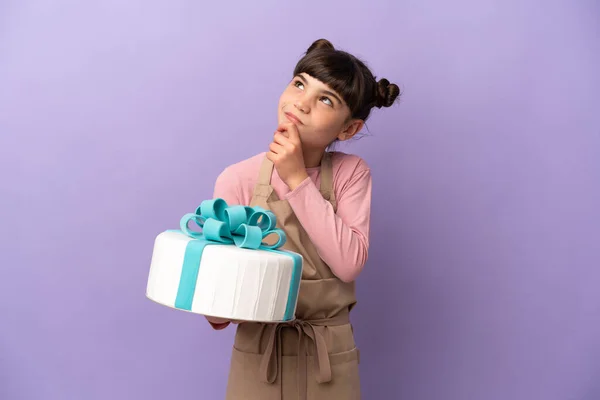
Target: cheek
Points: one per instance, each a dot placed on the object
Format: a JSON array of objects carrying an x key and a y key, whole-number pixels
[
  {"x": 286, "y": 97},
  {"x": 325, "y": 128},
  {"x": 282, "y": 100},
  {"x": 329, "y": 123}
]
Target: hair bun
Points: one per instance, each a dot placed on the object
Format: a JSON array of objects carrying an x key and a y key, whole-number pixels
[
  {"x": 386, "y": 93},
  {"x": 320, "y": 44}
]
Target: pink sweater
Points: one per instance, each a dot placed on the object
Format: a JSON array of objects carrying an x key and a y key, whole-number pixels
[{"x": 340, "y": 238}]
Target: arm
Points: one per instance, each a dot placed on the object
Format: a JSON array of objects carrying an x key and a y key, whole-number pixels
[{"x": 342, "y": 238}]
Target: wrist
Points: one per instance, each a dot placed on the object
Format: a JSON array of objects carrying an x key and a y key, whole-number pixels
[{"x": 296, "y": 180}]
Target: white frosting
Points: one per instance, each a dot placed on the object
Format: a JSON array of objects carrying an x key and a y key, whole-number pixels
[{"x": 233, "y": 283}]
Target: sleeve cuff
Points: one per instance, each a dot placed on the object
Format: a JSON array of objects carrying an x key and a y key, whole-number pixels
[{"x": 299, "y": 189}]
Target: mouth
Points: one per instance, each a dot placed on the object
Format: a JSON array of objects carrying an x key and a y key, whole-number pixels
[{"x": 292, "y": 118}]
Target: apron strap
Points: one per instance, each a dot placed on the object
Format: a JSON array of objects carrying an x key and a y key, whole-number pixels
[
  {"x": 263, "y": 185},
  {"x": 265, "y": 172},
  {"x": 327, "y": 180}
]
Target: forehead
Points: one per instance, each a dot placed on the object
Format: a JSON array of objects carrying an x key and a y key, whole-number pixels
[
  {"x": 321, "y": 86},
  {"x": 315, "y": 82}
]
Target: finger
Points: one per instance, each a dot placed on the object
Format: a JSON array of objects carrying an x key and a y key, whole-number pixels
[
  {"x": 216, "y": 320},
  {"x": 279, "y": 138},
  {"x": 276, "y": 148},
  {"x": 293, "y": 134},
  {"x": 284, "y": 128}
]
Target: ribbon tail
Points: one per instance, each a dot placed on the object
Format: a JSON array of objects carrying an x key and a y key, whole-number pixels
[
  {"x": 322, "y": 364},
  {"x": 268, "y": 371}
]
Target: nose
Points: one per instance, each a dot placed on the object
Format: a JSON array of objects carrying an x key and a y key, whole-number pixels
[{"x": 301, "y": 106}]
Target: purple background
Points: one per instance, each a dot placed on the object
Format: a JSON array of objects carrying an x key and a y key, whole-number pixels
[{"x": 116, "y": 117}]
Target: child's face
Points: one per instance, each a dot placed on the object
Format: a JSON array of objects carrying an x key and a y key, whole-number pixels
[{"x": 322, "y": 116}]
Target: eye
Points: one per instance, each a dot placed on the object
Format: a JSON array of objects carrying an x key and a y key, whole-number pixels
[
  {"x": 299, "y": 84},
  {"x": 327, "y": 101}
]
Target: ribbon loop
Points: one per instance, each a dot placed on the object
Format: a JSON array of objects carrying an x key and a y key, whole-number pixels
[{"x": 243, "y": 226}]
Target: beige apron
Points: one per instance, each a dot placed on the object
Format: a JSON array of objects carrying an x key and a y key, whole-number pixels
[{"x": 313, "y": 357}]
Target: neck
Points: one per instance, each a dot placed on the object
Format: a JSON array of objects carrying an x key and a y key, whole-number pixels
[{"x": 312, "y": 157}]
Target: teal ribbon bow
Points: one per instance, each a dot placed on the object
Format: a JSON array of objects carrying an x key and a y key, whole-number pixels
[{"x": 244, "y": 226}]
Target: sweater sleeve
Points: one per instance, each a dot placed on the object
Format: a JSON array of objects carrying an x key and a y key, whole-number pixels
[{"x": 342, "y": 238}]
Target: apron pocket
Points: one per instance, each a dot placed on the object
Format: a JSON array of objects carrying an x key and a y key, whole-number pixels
[
  {"x": 245, "y": 381},
  {"x": 345, "y": 378}
]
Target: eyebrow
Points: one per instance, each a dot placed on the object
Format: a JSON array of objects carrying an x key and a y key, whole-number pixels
[{"x": 327, "y": 92}]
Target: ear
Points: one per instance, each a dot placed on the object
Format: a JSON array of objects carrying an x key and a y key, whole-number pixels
[{"x": 353, "y": 127}]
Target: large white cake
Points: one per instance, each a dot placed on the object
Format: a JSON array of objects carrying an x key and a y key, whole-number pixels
[{"x": 223, "y": 280}]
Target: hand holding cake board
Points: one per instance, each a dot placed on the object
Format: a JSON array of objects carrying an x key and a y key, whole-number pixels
[{"x": 227, "y": 270}]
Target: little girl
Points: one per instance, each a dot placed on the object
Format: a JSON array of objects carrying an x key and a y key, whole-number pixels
[{"x": 322, "y": 200}]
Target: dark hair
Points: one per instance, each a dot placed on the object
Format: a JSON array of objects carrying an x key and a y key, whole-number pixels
[{"x": 348, "y": 76}]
